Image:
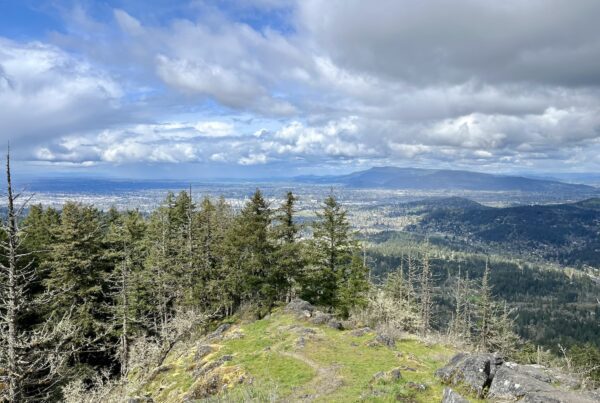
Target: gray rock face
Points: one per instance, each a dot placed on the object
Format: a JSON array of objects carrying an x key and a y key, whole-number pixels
[
  {"x": 451, "y": 396},
  {"x": 512, "y": 383},
  {"x": 487, "y": 374},
  {"x": 474, "y": 370},
  {"x": 531, "y": 384}
]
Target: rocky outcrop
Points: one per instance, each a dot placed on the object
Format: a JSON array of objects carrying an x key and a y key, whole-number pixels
[
  {"x": 450, "y": 396},
  {"x": 473, "y": 370},
  {"x": 487, "y": 374},
  {"x": 300, "y": 308}
]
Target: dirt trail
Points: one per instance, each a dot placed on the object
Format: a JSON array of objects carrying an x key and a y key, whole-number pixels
[{"x": 325, "y": 382}]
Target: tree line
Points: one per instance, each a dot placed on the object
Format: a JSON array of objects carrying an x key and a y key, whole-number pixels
[{"x": 79, "y": 285}]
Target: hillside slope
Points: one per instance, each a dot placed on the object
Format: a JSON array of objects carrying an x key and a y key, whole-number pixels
[
  {"x": 299, "y": 354},
  {"x": 567, "y": 233},
  {"x": 284, "y": 358}
]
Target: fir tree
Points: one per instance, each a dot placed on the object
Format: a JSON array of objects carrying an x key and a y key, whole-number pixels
[{"x": 289, "y": 257}]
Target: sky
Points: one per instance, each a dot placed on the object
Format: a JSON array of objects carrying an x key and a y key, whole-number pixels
[{"x": 167, "y": 89}]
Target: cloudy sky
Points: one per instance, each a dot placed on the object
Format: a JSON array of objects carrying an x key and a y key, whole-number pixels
[{"x": 160, "y": 88}]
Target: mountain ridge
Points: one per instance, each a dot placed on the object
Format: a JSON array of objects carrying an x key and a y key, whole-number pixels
[{"x": 431, "y": 179}]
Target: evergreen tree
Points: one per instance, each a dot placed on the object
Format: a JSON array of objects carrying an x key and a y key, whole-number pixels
[
  {"x": 335, "y": 271},
  {"x": 289, "y": 255},
  {"x": 126, "y": 252},
  {"x": 78, "y": 275},
  {"x": 249, "y": 254},
  {"x": 162, "y": 274}
]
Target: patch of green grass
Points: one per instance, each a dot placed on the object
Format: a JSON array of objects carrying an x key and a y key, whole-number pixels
[
  {"x": 256, "y": 353},
  {"x": 266, "y": 350}
]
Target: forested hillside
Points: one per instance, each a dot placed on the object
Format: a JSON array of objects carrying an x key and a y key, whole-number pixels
[
  {"x": 562, "y": 233},
  {"x": 552, "y": 305}
]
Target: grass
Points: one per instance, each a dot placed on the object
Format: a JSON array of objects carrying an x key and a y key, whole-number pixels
[{"x": 332, "y": 366}]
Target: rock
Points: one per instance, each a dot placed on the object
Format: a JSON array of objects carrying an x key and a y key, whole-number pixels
[
  {"x": 475, "y": 370},
  {"x": 389, "y": 376},
  {"x": 299, "y": 307},
  {"x": 559, "y": 396},
  {"x": 320, "y": 318},
  {"x": 451, "y": 396},
  {"x": 202, "y": 351},
  {"x": 334, "y": 324},
  {"x": 532, "y": 385},
  {"x": 421, "y": 387},
  {"x": 301, "y": 342},
  {"x": 395, "y": 374},
  {"x": 385, "y": 340},
  {"x": 211, "y": 365},
  {"x": 360, "y": 332},
  {"x": 138, "y": 399},
  {"x": 535, "y": 371},
  {"x": 512, "y": 383},
  {"x": 218, "y": 333}
]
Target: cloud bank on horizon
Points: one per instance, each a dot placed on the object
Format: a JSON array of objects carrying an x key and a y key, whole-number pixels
[{"x": 297, "y": 86}]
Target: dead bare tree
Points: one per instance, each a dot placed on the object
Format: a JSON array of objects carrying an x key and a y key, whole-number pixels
[{"x": 31, "y": 355}]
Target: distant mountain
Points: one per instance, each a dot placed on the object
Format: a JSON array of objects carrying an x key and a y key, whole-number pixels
[{"x": 441, "y": 179}]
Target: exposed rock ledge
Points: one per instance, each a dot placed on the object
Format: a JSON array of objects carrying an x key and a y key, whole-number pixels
[{"x": 488, "y": 375}]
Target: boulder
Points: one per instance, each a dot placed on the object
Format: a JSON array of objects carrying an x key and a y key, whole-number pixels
[
  {"x": 450, "y": 396},
  {"x": 385, "y": 340},
  {"x": 533, "y": 385},
  {"x": 474, "y": 370},
  {"x": 320, "y": 318},
  {"x": 512, "y": 383},
  {"x": 335, "y": 324},
  {"x": 299, "y": 307}
]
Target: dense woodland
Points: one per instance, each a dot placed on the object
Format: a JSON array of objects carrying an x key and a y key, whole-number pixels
[{"x": 81, "y": 287}]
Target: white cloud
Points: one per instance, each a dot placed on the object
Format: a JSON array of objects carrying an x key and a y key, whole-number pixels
[
  {"x": 253, "y": 159},
  {"x": 46, "y": 93},
  {"x": 336, "y": 81}
]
